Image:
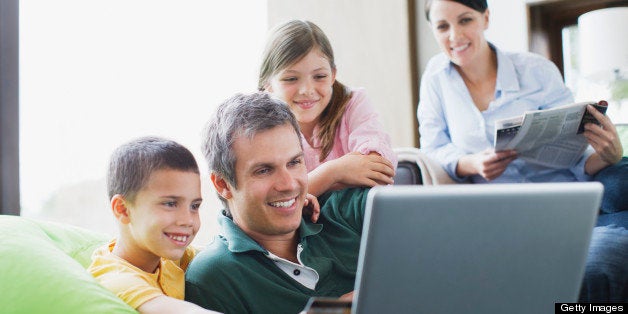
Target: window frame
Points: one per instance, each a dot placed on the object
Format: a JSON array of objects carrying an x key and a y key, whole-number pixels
[
  {"x": 546, "y": 19},
  {"x": 9, "y": 108}
]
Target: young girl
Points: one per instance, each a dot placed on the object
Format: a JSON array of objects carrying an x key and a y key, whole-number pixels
[{"x": 342, "y": 138}]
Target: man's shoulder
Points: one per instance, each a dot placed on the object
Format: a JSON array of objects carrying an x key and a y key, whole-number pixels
[
  {"x": 345, "y": 206},
  {"x": 344, "y": 196},
  {"x": 214, "y": 261},
  {"x": 214, "y": 253}
]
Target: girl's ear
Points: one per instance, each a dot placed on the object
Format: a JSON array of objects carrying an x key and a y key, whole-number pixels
[
  {"x": 120, "y": 209},
  {"x": 333, "y": 76},
  {"x": 222, "y": 187}
]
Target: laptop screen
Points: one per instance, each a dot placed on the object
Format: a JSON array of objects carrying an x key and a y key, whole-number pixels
[{"x": 485, "y": 248}]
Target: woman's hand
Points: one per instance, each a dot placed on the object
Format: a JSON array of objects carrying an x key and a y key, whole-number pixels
[
  {"x": 488, "y": 163},
  {"x": 605, "y": 142},
  {"x": 311, "y": 207}
]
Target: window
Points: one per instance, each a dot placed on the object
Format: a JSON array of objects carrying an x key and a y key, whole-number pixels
[
  {"x": 554, "y": 34},
  {"x": 95, "y": 74}
]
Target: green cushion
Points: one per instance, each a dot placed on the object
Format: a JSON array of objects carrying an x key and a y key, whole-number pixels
[{"x": 42, "y": 269}]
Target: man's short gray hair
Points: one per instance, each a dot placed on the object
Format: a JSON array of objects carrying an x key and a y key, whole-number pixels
[{"x": 241, "y": 115}]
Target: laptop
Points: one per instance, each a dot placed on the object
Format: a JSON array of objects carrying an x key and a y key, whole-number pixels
[{"x": 483, "y": 248}]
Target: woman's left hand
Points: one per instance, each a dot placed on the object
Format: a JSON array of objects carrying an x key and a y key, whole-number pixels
[{"x": 604, "y": 140}]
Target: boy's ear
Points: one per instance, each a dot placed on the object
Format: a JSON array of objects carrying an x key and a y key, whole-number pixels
[
  {"x": 222, "y": 187},
  {"x": 120, "y": 209}
]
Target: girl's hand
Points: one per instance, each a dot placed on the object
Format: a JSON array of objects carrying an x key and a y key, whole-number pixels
[
  {"x": 311, "y": 207},
  {"x": 488, "y": 163},
  {"x": 355, "y": 169},
  {"x": 604, "y": 140}
]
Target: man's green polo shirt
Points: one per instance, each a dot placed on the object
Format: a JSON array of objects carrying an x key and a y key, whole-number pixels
[{"x": 234, "y": 275}]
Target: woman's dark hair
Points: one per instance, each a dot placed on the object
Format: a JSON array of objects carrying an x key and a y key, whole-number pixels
[{"x": 478, "y": 5}]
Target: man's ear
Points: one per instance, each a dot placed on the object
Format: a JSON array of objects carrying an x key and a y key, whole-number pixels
[
  {"x": 120, "y": 209},
  {"x": 222, "y": 187}
]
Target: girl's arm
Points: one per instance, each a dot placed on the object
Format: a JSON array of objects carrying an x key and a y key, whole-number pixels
[
  {"x": 362, "y": 130},
  {"x": 353, "y": 169},
  {"x": 370, "y": 159}
]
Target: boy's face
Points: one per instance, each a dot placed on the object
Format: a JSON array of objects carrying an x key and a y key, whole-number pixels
[
  {"x": 272, "y": 183},
  {"x": 164, "y": 216}
]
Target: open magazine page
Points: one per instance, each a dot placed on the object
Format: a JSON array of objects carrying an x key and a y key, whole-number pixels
[{"x": 548, "y": 137}]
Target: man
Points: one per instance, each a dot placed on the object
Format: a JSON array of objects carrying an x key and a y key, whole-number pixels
[{"x": 269, "y": 259}]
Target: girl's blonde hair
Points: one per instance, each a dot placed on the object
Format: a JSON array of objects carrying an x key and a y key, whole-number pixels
[{"x": 290, "y": 42}]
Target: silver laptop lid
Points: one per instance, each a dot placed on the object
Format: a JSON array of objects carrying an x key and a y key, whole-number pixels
[{"x": 484, "y": 248}]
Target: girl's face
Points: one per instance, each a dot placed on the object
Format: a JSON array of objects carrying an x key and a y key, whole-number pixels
[
  {"x": 459, "y": 30},
  {"x": 306, "y": 86}
]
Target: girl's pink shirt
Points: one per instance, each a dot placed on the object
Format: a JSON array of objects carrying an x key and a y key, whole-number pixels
[{"x": 359, "y": 131}]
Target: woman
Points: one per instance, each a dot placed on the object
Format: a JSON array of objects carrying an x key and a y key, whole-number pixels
[{"x": 471, "y": 84}]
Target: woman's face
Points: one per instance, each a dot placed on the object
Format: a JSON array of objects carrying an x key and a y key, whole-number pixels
[
  {"x": 459, "y": 30},
  {"x": 306, "y": 86}
]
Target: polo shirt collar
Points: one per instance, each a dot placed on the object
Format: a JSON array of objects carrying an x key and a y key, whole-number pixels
[{"x": 238, "y": 241}]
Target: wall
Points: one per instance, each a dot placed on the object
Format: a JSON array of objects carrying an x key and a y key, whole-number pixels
[{"x": 370, "y": 39}]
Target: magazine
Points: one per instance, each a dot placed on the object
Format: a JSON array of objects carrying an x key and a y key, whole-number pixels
[{"x": 551, "y": 137}]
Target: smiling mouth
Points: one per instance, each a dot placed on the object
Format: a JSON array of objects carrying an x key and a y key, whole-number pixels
[
  {"x": 283, "y": 204},
  {"x": 460, "y": 48},
  {"x": 178, "y": 238},
  {"x": 306, "y": 104}
]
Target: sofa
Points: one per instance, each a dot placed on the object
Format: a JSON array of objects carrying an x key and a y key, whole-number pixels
[
  {"x": 416, "y": 168},
  {"x": 42, "y": 269}
]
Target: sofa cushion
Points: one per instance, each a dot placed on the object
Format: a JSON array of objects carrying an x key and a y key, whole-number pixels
[{"x": 42, "y": 266}]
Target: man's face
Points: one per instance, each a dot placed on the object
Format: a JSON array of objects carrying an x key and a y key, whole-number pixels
[{"x": 272, "y": 183}]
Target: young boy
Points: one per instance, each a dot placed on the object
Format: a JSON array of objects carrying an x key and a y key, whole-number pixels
[{"x": 155, "y": 192}]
